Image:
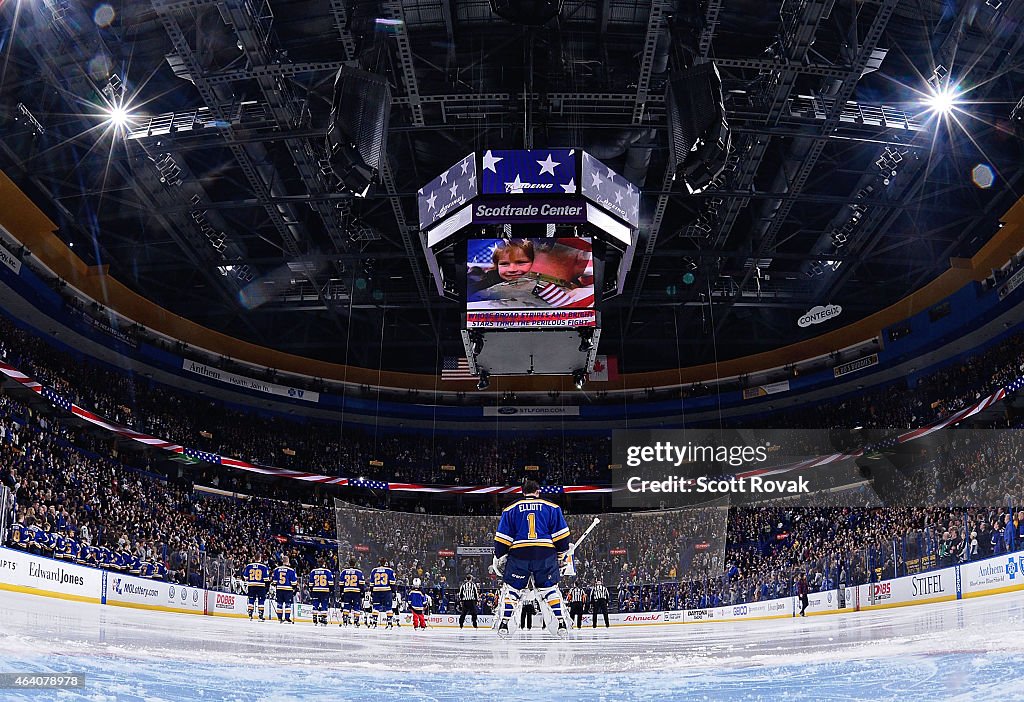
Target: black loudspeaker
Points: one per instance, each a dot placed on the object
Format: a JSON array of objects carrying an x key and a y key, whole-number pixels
[
  {"x": 699, "y": 134},
  {"x": 531, "y": 12},
  {"x": 358, "y": 129}
]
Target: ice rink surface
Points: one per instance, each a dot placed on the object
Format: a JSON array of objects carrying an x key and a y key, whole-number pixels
[{"x": 970, "y": 650}]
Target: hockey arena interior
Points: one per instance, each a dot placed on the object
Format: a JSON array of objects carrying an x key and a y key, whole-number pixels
[{"x": 511, "y": 349}]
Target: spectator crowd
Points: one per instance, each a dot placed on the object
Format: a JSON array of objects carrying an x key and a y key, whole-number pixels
[{"x": 79, "y": 495}]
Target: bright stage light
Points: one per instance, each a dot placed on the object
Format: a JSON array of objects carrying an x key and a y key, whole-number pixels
[
  {"x": 118, "y": 116},
  {"x": 943, "y": 101}
]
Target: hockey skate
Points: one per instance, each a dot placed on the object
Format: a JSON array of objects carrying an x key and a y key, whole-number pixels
[{"x": 503, "y": 631}]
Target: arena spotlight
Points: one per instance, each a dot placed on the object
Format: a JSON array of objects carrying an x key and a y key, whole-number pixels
[
  {"x": 586, "y": 340},
  {"x": 943, "y": 100},
  {"x": 484, "y": 382},
  {"x": 478, "y": 343},
  {"x": 118, "y": 116},
  {"x": 579, "y": 378}
]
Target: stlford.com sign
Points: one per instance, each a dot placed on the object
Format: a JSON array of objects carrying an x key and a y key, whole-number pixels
[{"x": 819, "y": 314}]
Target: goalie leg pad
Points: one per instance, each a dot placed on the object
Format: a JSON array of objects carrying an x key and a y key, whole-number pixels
[
  {"x": 552, "y": 597},
  {"x": 509, "y": 601}
]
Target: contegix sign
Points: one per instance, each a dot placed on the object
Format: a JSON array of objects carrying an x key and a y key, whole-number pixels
[{"x": 819, "y": 314}]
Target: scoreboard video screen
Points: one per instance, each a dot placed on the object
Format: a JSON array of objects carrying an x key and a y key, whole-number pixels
[{"x": 536, "y": 283}]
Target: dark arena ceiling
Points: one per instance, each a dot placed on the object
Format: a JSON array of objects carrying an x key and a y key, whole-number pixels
[{"x": 843, "y": 186}]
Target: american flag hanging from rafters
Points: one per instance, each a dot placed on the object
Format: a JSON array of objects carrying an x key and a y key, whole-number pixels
[{"x": 456, "y": 368}]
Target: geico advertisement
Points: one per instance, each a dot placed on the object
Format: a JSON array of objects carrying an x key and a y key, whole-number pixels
[{"x": 25, "y": 570}]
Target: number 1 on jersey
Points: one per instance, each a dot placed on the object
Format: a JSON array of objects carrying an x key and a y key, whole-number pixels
[{"x": 532, "y": 520}]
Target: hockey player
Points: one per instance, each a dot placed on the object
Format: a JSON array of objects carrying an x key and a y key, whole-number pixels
[
  {"x": 368, "y": 618},
  {"x": 285, "y": 579},
  {"x": 321, "y": 582},
  {"x": 257, "y": 578},
  {"x": 531, "y": 538},
  {"x": 417, "y": 605},
  {"x": 352, "y": 586},
  {"x": 382, "y": 585}
]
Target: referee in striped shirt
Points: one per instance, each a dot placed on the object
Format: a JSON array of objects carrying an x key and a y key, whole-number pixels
[
  {"x": 577, "y": 604},
  {"x": 599, "y": 602},
  {"x": 469, "y": 595}
]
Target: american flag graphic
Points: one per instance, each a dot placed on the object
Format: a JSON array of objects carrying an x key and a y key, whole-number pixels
[
  {"x": 610, "y": 190},
  {"x": 448, "y": 192},
  {"x": 366, "y": 483},
  {"x": 57, "y": 400},
  {"x": 552, "y": 294},
  {"x": 456, "y": 368},
  {"x": 529, "y": 172},
  {"x": 198, "y": 455}
]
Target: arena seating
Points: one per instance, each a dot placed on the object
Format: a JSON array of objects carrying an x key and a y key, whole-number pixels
[{"x": 73, "y": 485}]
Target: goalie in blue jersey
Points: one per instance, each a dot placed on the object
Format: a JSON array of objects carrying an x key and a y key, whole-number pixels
[{"x": 532, "y": 537}]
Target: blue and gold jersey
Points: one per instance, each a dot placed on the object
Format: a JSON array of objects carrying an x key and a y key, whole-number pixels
[
  {"x": 256, "y": 575},
  {"x": 321, "y": 580},
  {"x": 351, "y": 580},
  {"x": 531, "y": 528},
  {"x": 417, "y": 600},
  {"x": 382, "y": 579},
  {"x": 285, "y": 578}
]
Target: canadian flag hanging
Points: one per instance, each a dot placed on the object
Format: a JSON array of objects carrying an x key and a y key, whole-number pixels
[{"x": 606, "y": 368}]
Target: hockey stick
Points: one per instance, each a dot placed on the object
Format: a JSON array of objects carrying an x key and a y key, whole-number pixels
[
  {"x": 567, "y": 566},
  {"x": 574, "y": 546}
]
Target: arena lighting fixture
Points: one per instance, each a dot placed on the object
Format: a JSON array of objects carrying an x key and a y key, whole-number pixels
[
  {"x": 943, "y": 100},
  {"x": 118, "y": 115},
  {"x": 579, "y": 378},
  {"x": 586, "y": 340},
  {"x": 484, "y": 382}
]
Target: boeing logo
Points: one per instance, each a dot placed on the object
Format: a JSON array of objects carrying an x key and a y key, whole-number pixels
[{"x": 518, "y": 186}]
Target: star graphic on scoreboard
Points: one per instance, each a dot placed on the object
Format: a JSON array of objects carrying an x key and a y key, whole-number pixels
[
  {"x": 454, "y": 190},
  {"x": 472, "y": 182},
  {"x": 516, "y": 186},
  {"x": 610, "y": 174},
  {"x": 490, "y": 160},
  {"x": 420, "y": 191},
  {"x": 595, "y": 180},
  {"x": 444, "y": 177},
  {"x": 569, "y": 187},
  {"x": 548, "y": 165},
  {"x": 618, "y": 196},
  {"x": 465, "y": 165},
  {"x": 636, "y": 209},
  {"x": 430, "y": 201}
]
